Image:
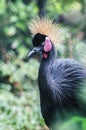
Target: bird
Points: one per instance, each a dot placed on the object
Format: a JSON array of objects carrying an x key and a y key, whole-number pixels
[{"x": 61, "y": 81}]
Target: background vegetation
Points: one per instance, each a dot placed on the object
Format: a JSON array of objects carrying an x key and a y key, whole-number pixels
[{"x": 19, "y": 96}]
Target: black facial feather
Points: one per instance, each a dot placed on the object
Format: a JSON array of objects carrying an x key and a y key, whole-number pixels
[{"x": 38, "y": 39}]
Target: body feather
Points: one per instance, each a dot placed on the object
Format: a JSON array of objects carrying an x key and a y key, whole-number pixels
[{"x": 60, "y": 84}]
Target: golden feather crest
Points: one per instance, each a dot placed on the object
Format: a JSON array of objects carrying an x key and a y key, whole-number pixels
[{"x": 47, "y": 27}]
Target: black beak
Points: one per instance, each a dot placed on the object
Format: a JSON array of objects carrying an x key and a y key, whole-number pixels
[{"x": 35, "y": 50}]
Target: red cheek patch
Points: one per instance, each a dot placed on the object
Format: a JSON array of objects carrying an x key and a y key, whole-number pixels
[
  {"x": 48, "y": 45},
  {"x": 45, "y": 55}
]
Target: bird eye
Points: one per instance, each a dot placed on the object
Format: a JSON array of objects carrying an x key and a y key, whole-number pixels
[{"x": 43, "y": 43}]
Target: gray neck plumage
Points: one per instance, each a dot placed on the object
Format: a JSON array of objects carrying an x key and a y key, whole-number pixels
[
  {"x": 45, "y": 86},
  {"x": 44, "y": 70}
]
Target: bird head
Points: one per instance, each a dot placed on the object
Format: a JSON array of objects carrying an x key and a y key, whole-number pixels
[
  {"x": 45, "y": 33},
  {"x": 42, "y": 45}
]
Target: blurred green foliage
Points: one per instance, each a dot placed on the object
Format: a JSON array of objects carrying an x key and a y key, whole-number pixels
[
  {"x": 19, "y": 113},
  {"x": 19, "y": 97}
]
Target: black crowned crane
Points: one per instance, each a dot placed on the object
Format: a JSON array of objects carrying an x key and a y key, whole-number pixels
[{"x": 61, "y": 81}]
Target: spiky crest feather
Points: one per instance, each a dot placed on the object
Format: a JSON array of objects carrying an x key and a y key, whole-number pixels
[{"x": 46, "y": 27}]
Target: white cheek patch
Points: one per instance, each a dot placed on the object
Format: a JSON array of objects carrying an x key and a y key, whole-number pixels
[{"x": 48, "y": 45}]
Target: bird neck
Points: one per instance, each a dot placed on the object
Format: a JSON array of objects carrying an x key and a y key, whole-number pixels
[
  {"x": 51, "y": 56},
  {"x": 45, "y": 82},
  {"x": 44, "y": 69}
]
